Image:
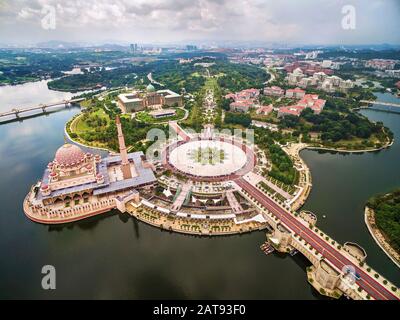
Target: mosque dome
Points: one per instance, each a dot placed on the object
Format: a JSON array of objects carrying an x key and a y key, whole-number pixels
[
  {"x": 69, "y": 154},
  {"x": 150, "y": 88}
]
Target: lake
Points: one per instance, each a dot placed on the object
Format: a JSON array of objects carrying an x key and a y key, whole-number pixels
[{"x": 115, "y": 256}]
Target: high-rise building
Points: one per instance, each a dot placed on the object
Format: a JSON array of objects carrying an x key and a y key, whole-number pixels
[
  {"x": 191, "y": 47},
  {"x": 133, "y": 47}
]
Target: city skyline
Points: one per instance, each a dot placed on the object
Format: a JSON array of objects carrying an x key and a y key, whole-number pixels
[{"x": 198, "y": 21}]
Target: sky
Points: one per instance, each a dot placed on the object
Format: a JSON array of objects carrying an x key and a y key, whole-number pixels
[{"x": 196, "y": 21}]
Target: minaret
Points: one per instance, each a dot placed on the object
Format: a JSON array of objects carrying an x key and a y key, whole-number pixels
[{"x": 125, "y": 166}]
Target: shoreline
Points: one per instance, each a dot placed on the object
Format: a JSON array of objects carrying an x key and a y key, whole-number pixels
[
  {"x": 73, "y": 91},
  {"x": 309, "y": 147},
  {"x": 81, "y": 143},
  {"x": 388, "y": 145},
  {"x": 173, "y": 227},
  {"x": 378, "y": 236}
]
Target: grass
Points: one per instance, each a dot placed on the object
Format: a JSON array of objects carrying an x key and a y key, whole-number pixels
[
  {"x": 145, "y": 117},
  {"x": 81, "y": 125},
  {"x": 211, "y": 83},
  {"x": 271, "y": 118},
  {"x": 356, "y": 143}
]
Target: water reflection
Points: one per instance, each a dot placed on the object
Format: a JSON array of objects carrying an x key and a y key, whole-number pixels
[
  {"x": 136, "y": 228},
  {"x": 30, "y": 94},
  {"x": 87, "y": 224}
]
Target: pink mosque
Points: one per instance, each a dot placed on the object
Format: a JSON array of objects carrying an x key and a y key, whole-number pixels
[{"x": 77, "y": 185}]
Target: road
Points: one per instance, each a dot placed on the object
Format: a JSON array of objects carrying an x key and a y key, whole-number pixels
[
  {"x": 370, "y": 285},
  {"x": 150, "y": 77},
  {"x": 272, "y": 78}
]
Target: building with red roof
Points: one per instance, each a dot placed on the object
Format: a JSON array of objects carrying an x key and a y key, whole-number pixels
[
  {"x": 290, "y": 110},
  {"x": 274, "y": 91},
  {"x": 241, "y": 106},
  {"x": 265, "y": 110},
  {"x": 307, "y": 68},
  {"x": 244, "y": 100},
  {"x": 295, "y": 93},
  {"x": 312, "y": 101},
  {"x": 308, "y": 101}
]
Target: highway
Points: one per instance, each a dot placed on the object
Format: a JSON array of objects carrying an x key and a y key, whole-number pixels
[{"x": 336, "y": 258}]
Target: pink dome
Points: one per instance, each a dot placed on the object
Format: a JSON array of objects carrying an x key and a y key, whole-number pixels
[{"x": 69, "y": 154}]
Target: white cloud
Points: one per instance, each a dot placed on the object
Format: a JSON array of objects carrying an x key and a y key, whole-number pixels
[{"x": 170, "y": 20}]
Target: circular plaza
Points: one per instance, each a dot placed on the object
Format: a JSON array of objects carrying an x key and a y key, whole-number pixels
[{"x": 216, "y": 159}]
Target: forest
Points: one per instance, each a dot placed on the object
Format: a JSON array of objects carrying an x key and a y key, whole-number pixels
[
  {"x": 335, "y": 123},
  {"x": 19, "y": 66},
  {"x": 236, "y": 77},
  {"x": 282, "y": 166},
  {"x": 387, "y": 216}
]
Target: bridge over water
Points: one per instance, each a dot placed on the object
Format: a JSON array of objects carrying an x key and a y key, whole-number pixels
[
  {"x": 43, "y": 107},
  {"x": 331, "y": 263},
  {"x": 382, "y": 103}
]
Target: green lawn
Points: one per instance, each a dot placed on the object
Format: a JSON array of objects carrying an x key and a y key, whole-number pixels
[
  {"x": 82, "y": 123},
  {"x": 145, "y": 117}
]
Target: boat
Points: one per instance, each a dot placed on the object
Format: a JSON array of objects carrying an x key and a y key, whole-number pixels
[{"x": 267, "y": 248}]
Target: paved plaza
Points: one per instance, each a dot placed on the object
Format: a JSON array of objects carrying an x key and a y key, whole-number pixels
[{"x": 208, "y": 158}]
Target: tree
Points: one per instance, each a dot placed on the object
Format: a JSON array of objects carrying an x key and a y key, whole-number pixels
[{"x": 243, "y": 119}]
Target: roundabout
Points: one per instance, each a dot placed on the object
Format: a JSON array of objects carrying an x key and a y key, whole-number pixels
[{"x": 218, "y": 159}]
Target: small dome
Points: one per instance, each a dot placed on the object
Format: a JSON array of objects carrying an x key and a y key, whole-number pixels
[
  {"x": 150, "y": 88},
  {"x": 69, "y": 154}
]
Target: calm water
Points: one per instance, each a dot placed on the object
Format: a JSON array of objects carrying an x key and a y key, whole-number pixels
[
  {"x": 115, "y": 256},
  {"x": 29, "y": 94}
]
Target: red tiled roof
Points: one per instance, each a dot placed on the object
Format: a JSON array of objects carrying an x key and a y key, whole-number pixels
[
  {"x": 295, "y": 90},
  {"x": 69, "y": 154},
  {"x": 293, "y": 110},
  {"x": 265, "y": 109}
]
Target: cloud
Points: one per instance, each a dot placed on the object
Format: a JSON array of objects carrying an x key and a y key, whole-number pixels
[{"x": 170, "y": 20}]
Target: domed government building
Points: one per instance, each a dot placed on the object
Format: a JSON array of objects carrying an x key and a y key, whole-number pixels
[
  {"x": 149, "y": 99},
  {"x": 77, "y": 185}
]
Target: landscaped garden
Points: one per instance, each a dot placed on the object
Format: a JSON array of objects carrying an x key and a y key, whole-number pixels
[{"x": 146, "y": 117}]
